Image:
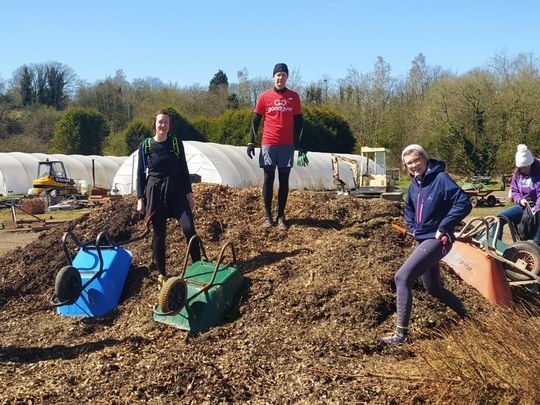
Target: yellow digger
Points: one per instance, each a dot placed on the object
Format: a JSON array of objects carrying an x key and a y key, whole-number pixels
[
  {"x": 52, "y": 179},
  {"x": 371, "y": 177}
]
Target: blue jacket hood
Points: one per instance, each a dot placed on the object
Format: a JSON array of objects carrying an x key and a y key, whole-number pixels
[{"x": 434, "y": 167}]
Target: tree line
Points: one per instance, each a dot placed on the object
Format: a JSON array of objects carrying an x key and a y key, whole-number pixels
[{"x": 473, "y": 120}]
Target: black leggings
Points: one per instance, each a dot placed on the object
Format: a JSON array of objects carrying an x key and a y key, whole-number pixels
[
  {"x": 268, "y": 189},
  {"x": 159, "y": 224}
]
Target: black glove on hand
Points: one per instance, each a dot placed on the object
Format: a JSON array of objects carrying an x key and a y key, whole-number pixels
[{"x": 251, "y": 150}]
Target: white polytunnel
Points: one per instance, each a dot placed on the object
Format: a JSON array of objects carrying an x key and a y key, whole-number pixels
[
  {"x": 18, "y": 170},
  {"x": 230, "y": 165}
]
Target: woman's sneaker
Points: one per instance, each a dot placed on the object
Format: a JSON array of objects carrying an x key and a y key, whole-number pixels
[
  {"x": 396, "y": 339},
  {"x": 282, "y": 223},
  {"x": 268, "y": 223},
  {"x": 161, "y": 280}
]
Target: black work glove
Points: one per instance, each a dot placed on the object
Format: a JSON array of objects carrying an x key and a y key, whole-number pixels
[{"x": 251, "y": 150}]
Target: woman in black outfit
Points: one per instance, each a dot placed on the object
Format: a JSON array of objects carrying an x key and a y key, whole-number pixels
[{"x": 164, "y": 189}]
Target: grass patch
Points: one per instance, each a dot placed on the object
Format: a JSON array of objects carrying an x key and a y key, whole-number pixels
[
  {"x": 5, "y": 214},
  {"x": 11, "y": 196},
  {"x": 489, "y": 211}
]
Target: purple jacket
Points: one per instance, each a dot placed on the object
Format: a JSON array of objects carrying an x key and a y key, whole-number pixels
[{"x": 527, "y": 186}]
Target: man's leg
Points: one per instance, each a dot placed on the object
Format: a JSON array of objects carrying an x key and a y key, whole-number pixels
[
  {"x": 268, "y": 192},
  {"x": 283, "y": 192}
]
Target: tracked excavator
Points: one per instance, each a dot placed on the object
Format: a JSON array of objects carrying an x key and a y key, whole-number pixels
[
  {"x": 52, "y": 179},
  {"x": 371, "y": 177}
]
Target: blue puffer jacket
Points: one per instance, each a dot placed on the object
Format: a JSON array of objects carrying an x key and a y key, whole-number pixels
[{"x": 435, "y": 202}]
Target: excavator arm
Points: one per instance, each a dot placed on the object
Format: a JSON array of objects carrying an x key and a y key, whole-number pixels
[{"x": 351, "y": 163}]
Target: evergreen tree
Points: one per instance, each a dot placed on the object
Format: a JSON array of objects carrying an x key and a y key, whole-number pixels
[
  {"x": 80, "y": 131},
  {"x": 219, "y": 82},
  {"x": 25, "y": 82},
  {"x": 135, "y": 133}
]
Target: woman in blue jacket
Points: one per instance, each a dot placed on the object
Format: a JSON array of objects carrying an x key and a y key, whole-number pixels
[{"x": 435, "y": 205}]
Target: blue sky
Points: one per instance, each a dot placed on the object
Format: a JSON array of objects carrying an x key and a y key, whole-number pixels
[{"x": 186, "y": 42}]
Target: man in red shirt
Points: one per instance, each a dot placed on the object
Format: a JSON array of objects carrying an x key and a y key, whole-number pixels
[{"x": 282, "y": 112}]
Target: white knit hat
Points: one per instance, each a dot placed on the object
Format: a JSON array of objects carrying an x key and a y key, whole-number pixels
[
  {"x": 411, "y": 147},
  {"x": 524, "y": 156}
]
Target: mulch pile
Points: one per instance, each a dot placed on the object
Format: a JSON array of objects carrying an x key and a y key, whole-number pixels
[{"x": 306, "y": 329}]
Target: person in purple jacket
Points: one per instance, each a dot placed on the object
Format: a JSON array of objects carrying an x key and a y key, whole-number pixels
[
  {"x": 435, "y": 204},
  {"x": 525, "y": 189}
]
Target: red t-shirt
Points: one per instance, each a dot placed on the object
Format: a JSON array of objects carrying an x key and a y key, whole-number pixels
[{"x": 278, "y": 110}]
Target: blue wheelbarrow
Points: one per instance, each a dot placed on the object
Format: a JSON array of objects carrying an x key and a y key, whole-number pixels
[{"x": 92, "y": 283}]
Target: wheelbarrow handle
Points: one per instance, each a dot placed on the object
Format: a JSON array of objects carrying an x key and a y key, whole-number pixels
[
  {"x": 220, "y": 260},
  {"x": 99, "y": 243},
  {"x": 55, "y": 302},
  {"x": 218, "y": 263},
  {"x": 71, "y": 236},
  {"x": 474, "y": 227},
  {"x": 102, "y": 236},
  {"x": 201, "y": 247}
]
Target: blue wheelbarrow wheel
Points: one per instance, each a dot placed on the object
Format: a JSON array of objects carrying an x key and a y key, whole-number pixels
[
  {"x": 173, "y": 295},
  {"x": 527, "y": 252},
  {"x": 67, "y": 285}
]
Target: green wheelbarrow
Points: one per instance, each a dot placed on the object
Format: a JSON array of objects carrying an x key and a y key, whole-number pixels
[{"x": 203, "y": 294}]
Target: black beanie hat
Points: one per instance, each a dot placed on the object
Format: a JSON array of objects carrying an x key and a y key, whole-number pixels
[{"x": 280, "y": 67}]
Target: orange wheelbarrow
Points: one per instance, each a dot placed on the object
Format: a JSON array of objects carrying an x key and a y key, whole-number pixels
[{"x": 489, "y": 265}]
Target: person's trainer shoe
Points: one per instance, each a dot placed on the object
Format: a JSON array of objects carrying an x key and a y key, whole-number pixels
[
  {"x": 282, "y": 224},
  {"x": 161, "y": 280},
  {"x": 268, "y": 223},
  {"x": 396, "y": 339}
]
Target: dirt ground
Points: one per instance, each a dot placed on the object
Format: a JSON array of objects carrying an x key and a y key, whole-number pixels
[
  {"x": 305, "y": 331},
  {"x": 11, "y": 240}
]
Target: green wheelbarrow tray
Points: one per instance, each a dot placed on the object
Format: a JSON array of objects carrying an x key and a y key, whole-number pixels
[{"x": 202, "y": 295}]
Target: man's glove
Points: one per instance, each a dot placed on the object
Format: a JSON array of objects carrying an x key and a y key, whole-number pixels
[
  {"x": 251, "y": 150},
  {"x": 302, "y": 160}
]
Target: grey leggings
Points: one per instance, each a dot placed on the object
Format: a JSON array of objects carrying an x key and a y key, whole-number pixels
[{"x": 424, "y": 262}]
